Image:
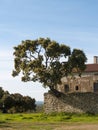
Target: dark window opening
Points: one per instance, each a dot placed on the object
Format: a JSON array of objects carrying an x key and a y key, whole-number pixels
[
  {"x": 66, "y": 87},
  {"x": 95, "y": 87},
  {"x": 76, "y": 88}
]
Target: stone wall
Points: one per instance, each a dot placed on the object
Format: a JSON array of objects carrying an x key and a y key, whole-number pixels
[{"x": 71, "y": 102}]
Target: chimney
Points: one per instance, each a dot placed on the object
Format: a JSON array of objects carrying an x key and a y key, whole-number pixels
[{"x": 95, "y": 59}]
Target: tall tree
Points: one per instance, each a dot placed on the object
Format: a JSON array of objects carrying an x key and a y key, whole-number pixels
[{"x": 47, "y": 61}]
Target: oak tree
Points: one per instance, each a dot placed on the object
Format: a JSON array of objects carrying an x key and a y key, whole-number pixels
[{"x": 47, "y": 61}]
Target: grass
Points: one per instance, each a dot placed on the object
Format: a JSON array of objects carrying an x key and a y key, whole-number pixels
[
  {"x": 50, "y": 118},
  {"x": 41, "y": 121}
]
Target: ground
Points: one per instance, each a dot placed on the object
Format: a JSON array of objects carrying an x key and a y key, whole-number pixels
[
  {"x": 49, "y": 126},
  {"x": 79, "y": 127}
]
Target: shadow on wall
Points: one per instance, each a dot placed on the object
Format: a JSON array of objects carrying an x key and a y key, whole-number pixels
[{"x": 71, "y": 102}]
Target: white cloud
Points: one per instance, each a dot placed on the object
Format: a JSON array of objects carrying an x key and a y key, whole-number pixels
[
  {"x": 6, "y": 54},
  {"x": 15, "y": 85}
]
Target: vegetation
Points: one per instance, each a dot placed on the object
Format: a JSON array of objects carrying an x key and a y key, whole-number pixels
[
  {"x": 49, "y": 118},
  {"x": 40, "y": 121},
  {"x": 13, "y": 103},
  {"x": 47, "y": 61}
]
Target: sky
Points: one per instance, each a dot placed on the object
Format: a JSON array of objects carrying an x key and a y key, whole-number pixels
[{"x": 72, "y": 22}]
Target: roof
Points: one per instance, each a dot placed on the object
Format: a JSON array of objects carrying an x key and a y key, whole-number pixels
[{"x": 91, "y": 68}]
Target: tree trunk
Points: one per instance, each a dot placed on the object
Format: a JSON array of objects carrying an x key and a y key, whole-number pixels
[{"x": 54, "y": 91}]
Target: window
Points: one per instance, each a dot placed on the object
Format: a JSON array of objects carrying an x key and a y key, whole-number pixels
[
  {"x": 76, "y": 88},
  {"x": 66, "y": 87},
  {"x": 95, "y": 87}
]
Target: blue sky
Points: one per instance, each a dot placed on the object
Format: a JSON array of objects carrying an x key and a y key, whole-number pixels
[{"x": 73, "y": 22}]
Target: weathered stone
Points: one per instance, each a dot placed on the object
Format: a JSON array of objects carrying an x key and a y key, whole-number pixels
[{"x": 71, "y": 102}]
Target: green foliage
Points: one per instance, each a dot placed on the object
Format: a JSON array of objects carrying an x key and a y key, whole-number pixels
[
  {"x": 46, "y": 61},
  {"x": 78, "y": 58},
  {"x": 13, "y": 103}
]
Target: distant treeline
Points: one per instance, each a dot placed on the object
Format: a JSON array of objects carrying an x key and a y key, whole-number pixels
[{"x": 15, "y": 103}]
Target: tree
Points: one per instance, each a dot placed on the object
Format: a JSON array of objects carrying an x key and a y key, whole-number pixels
[
  {"x": 29, "y": 103},
  {"x": 7, "y": 101},
  {"x": 1, "y": 92},
  {"x": 47, "y": 61},
  {"x": 15, "y": 102}
]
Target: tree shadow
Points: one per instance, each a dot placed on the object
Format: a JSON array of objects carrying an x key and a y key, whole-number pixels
[{"x": 76, "y": 102}]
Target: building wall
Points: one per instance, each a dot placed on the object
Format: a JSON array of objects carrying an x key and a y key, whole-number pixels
[
  {"x": 71, "y": 102},
  {"x": 80, "y": 96},
  {"x": 78, "y": 84}
]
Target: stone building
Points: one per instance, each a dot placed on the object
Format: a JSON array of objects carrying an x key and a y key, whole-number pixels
[
  {"x": 79, "y": 94},
  {"x": 88, "y": 82}
]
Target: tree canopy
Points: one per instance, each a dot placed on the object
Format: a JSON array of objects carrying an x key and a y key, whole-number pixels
[
  {"x": 47, "y": 61},
  {"x": 15, "y": 102}
]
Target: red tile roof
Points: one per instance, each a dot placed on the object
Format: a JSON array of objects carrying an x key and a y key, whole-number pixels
[{"x": 91, "y": 68}]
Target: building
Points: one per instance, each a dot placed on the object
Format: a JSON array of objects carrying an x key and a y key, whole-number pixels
[
  {"x": 88, "y": 82},
  {"x": 79, "y": 94}
]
